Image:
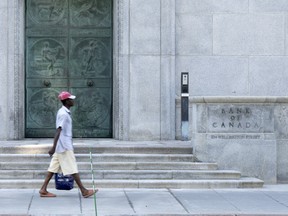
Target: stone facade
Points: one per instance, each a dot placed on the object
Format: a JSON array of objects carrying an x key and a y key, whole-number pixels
[
  {"x": 235, "y": 52},
  {"x": 12, "y": 70},
  {"x": 247, "y": 133}
]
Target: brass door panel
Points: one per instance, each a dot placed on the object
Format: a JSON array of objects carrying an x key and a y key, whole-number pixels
[{"x": 69, "y": 47}]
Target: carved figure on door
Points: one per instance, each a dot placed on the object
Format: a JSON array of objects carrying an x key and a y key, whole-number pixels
[
  {"x": 92, "y": 54},
  {"x": 51, "y": 54},
  {"x": 46, "y": 57},
  {"x": 47, "y": 10},
  {"x": 90, "y": 57},
  {"x": 42, "y": 107},
  {"x": 93, "y": 110},
  {"x": 90, "y": 11}
]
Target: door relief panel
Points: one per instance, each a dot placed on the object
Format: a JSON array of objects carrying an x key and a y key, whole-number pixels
[
  {"x": 69, "y": 47},
  {"x": 47, "y": 12},
  {"x": 90, "y": 57},
  {"x": 46, "y": 57},
  {"x": 91, "y": 12}
]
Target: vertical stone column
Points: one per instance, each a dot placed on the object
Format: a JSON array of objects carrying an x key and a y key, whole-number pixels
[
  {"x": 12, "y": 70},
  {"x": 167, "y": 73},
  {"x": 145, "y": 46},
  {"x": 144, "y": 70},
  {"x": 3, "y": 68},
  {"x": 121, "y": 70}
]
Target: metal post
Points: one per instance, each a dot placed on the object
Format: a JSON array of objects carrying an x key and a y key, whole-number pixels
[{"x": 184, "y": 106}]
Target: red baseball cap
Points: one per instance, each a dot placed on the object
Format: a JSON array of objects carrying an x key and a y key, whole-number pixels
[{"x": 65, "y": 95}]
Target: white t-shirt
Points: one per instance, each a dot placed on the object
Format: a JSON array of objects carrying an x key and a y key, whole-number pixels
[{"x": 64, "y": 121}]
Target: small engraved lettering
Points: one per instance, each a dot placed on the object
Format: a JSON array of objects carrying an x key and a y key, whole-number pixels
[
  {"x": 235, "y": 118},
  {"x": 241, "y": 136}
]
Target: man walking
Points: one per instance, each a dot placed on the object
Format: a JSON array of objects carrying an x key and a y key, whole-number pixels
[{"x": 62, "y": 152}]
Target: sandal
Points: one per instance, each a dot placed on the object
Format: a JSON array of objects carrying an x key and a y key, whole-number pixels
[
  {"x": 47, "y": 194},
  {"x": 90, "y": 193}
]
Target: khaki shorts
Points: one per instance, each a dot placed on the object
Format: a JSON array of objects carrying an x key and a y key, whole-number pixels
[{"x": 64, "y": 162}]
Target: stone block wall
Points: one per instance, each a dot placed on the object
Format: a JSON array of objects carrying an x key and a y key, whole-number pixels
[
  {"x": 235, "y": 49},
  {"x": 146, "y": 28},
  {"x": 232, "y": 47},
  {"x": 3, "y": 67},
  {"x": 236, "y": 54},
  {"x": 244, "y": 133},
  {"x": 12, "y": 75}
]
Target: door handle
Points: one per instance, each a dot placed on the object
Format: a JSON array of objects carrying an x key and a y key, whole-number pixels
[
  {"x": 90, "y": 83},
  {"x": 47, "y": 83}
]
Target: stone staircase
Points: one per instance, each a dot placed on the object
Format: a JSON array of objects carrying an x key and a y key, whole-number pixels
[{"x": 119, "y": 164}]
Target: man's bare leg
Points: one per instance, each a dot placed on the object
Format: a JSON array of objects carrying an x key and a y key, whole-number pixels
[
  {"x": 85, "y": 193},
  {"x": 43, "y": 191}
]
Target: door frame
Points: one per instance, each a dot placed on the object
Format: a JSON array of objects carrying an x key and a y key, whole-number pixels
[
  {"x": 14, "y": 105},
  {"x": 16, "y": 72},
  {"x": 73, "y": 35}
]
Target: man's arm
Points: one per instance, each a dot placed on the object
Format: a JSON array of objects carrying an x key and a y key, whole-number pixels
[{"x": 56, "y": 137}]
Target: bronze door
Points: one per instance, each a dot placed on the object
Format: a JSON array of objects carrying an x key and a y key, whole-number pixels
[{"x": 69, "y": 47}]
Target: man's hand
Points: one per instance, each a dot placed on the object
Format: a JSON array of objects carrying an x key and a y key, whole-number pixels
[
  {"x": 51, "y": 151},
  {"x": 56, "y": 137}
]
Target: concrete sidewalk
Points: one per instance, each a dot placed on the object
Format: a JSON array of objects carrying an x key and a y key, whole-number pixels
[{"x": 269, "y": 200}]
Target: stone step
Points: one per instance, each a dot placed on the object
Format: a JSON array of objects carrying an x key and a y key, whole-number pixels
[
  {"x": 99, "y": 147},
  {"x": 177, "y": 184},
  {"x": 118, "y": 164},
  {"x": 133, "y": 174},
  {"x": 114, "y": 166},
  {"x": 28, "y": 158}
]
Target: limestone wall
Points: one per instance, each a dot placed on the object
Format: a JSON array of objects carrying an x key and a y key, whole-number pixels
[
  {"x": 233, "y": 47},
  {"x": 236, "y": 53},
  {"x": 145, "y": 69},
  {"x": 12, "y": 70},
  {"x": 244, "y": 133},
  {"x": 3, "y": 67}
]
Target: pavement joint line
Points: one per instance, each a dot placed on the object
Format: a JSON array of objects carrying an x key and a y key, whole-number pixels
[
  {"x": 80, "y": 201},
  {"x": 129, "y": 201},
  {"x": 178, "y": 200},
  {"x": 30, "y": 203},
  {"x": 271, "y": 197},
  {"x": 219, "y": 194}
]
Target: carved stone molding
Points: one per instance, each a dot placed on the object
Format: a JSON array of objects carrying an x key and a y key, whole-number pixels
[
  {"x": 121, "y": 70},
  {"x": 16, "y": 93}
]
